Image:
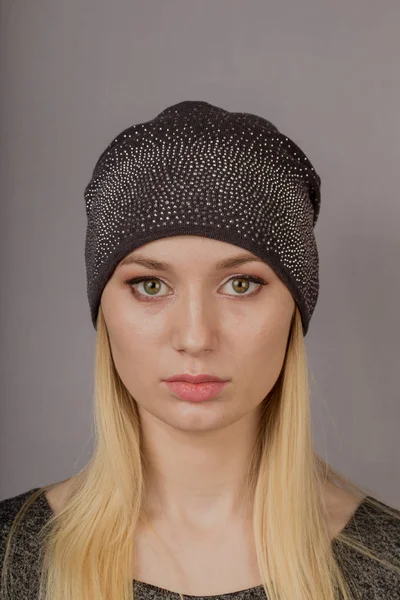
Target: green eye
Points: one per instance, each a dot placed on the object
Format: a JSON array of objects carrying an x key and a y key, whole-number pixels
[{"x": 155, "y": 284}]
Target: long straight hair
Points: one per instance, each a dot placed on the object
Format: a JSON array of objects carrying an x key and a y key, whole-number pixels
[{"x": 87, "y": 548}]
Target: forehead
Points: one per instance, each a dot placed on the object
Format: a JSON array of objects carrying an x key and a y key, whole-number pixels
[{"x": 166, "y": 254}]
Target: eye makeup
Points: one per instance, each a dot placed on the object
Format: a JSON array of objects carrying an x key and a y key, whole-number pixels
[{"x": 146, "y": 298}]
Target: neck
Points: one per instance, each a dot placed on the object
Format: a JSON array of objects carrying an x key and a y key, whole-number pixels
[{"x": 198, "y": 479}]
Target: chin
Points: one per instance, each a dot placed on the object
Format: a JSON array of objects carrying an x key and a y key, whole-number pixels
[{"x": 191, "y": 417}]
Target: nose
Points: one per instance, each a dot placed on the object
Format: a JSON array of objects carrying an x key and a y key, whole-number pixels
[{"x": 195, "y": 324}]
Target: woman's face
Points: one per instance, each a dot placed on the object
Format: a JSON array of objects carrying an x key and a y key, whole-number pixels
[{"x": 197, "y": 318}]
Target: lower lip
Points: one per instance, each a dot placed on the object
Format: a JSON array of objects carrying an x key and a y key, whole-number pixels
[{"x": 196, "y": 392}]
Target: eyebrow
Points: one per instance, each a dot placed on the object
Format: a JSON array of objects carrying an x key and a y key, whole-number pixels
[{"x": 156, "y": 265}]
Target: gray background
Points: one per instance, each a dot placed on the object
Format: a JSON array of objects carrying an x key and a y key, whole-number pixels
[{"x": 76, "y": 73}]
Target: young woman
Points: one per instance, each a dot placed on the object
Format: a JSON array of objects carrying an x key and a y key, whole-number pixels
[{"x": 202, "y": 272}]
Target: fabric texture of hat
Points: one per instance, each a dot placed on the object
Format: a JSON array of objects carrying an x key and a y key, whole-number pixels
[{"x": 197, "y": 169}]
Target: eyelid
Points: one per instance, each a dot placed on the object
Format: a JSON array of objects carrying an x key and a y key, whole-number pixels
[
  {"x": 150, "y": 277},
  {"x": 252, "y": 278}
]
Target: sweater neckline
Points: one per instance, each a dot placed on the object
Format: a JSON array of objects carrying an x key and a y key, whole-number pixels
[{"x": 259, "y": 589}]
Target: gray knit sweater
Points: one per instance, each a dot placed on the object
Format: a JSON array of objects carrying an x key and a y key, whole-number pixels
[{"x": 368, "y": 580}]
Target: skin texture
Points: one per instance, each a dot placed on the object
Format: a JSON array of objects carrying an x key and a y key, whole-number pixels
[
  {"x": 199, "y": 320},
  {"x": 199, "y": 323}
]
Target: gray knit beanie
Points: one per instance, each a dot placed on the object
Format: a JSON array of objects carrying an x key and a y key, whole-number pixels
[{"x": 197, "y": 169}]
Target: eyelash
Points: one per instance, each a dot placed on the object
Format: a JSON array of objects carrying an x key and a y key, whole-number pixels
[{"x": 137, "y": 280}]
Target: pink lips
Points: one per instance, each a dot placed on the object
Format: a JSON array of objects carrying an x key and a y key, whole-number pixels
[{"x": 196, "y": 392}]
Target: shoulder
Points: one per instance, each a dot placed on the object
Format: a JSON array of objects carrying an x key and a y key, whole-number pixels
[
  {"x": 36, "y": 511},
  {"x": 9, "y": 508},
  {"x": 22, "y": 537},
  {"x": 378, "y": 524},
  {"x": 376, "y": 527}
]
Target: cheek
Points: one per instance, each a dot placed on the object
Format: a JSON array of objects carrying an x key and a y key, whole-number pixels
[
  {"x": 134, "y": 357},
  {"x": 133, "y": 348},
  {"x": 262, "y": 358},
  {"x": 130, "y": 331}
]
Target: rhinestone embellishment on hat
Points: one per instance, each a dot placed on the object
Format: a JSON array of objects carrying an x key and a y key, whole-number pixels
[{"x": 197, "y": 169}]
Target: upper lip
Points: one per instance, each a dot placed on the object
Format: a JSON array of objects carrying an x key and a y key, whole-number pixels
[{"x": 201, "y": 378}]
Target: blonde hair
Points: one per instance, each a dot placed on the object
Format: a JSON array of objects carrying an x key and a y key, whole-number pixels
[{"x": 87, "y": 548}]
